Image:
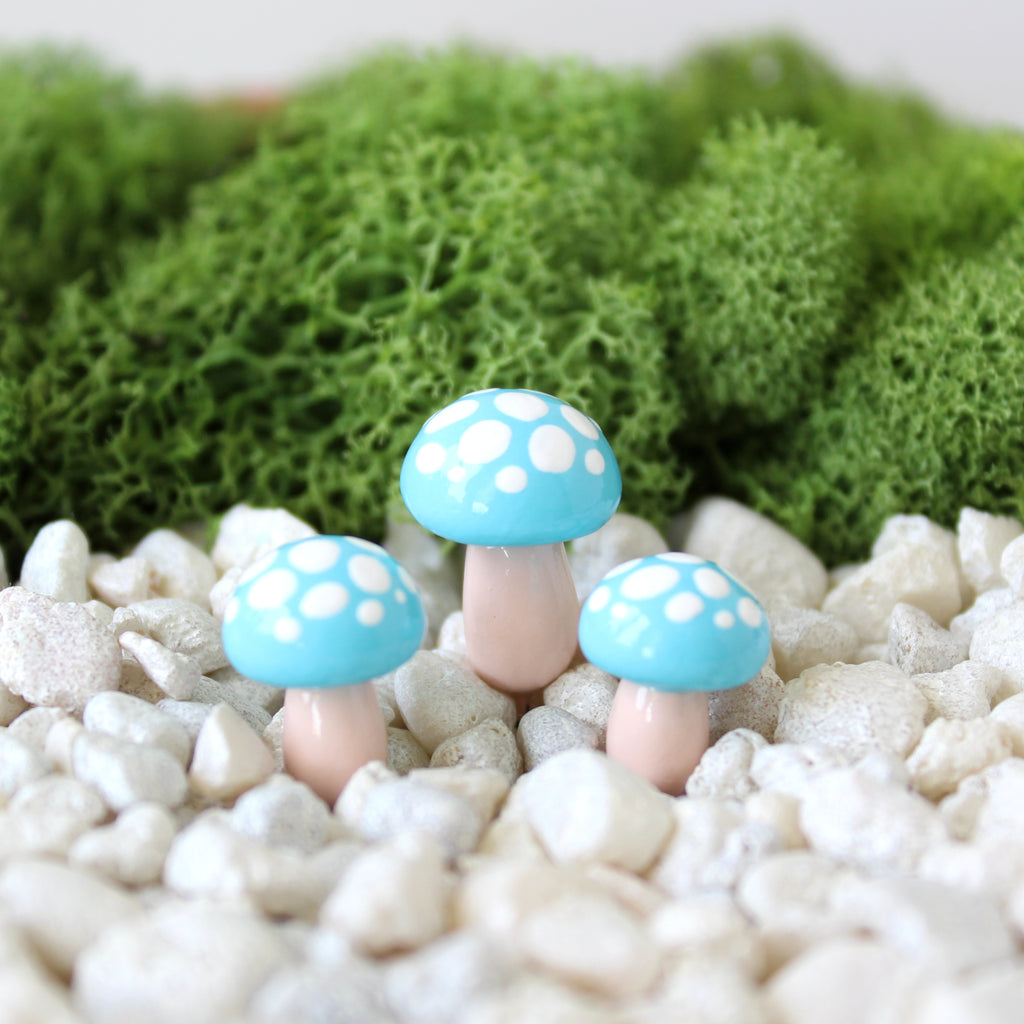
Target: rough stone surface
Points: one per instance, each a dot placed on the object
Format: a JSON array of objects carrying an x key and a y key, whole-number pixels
[
  {"x": 176, "y": 675},
  {"x": 180, "y": 569},
  {"x": 546, "y": 731},
  {"x": 122, "y": 582},
  {"x": 755, "y": 705},
  {"x": 127, "y": 773},
  {"x": 57, "y": 563},
  {"x": 981, "y": 540},
  {"x": 491, "y": 744},
  {"x": 130, "y": 718},
  {"x": 951, "y": 750},
  {"x": 917, "y": 643},
  {"x": 131, "y": 850},
  {"x": 179, "y": 625},
  {"x": 229, "y": 757},
  {"x": 964, "y": 691},
  {"x": 622, "y": 538},
  {"x": 805, "y": 637},
  {"x": 586, "y": 692},
  {"x": 247, "y": 533},
  {"x": 999, "y": 642}
]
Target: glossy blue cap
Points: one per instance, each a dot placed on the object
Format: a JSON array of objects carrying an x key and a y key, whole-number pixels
[
  {"x": 510, "y": 468},
  {"x": 323, "y": 612},
  {"x": 675, "y": 622}
]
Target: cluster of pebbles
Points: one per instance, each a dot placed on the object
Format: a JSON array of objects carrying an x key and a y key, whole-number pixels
[{"x": 850, "y": 848}]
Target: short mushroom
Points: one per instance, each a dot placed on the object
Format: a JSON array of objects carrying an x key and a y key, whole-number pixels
[
  {"x": 513, "y": 474},
  {"x": 672, "y": 627},
  {"x": 323, "y": 617}
]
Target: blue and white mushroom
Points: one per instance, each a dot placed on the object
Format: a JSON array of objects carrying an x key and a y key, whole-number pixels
[
  {"x": 672, "y": 627},
  {"x": 513, "y": 474},
  {"x": 322, "y": 617}
]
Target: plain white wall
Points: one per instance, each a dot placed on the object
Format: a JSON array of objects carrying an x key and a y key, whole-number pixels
[{"x": 965, "y": 56}]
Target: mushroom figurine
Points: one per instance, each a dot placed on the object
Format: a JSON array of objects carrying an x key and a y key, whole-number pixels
[
  {"x": 672, "y": 627},
  {"x": 323, "y": 617},
  {"x": 513, "y": 474}
]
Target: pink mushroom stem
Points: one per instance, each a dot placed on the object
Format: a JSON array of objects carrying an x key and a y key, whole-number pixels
[
  {"x": 521, "y": 615},
  {"x": 331, "y": 733},
  {"x": 660, "y": 736}
]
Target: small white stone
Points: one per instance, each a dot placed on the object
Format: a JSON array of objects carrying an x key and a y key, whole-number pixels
[
  {"x": 123, "y": 582},
  {"x": 917, "y": 643},
  {"x": 983, "y": 608},
  {"x": 964, "y": 691},
  {"x": 1011, "y": 566},
  {"x": 127, "y": 773},
  {"x": 999, "y": 642},
  {"x": 440, "y": 698},
  {"x": 129, "y": 718},
  {"x": 587, "y": 693},
  {"x": 724, "y": 769},
  {"x": 702, "y": 990},
  {"x": 484, "y": 788},
  {"x": 546, "y": 731},
  {"x": 404, "y": 752},
  {"x": 780, "y": 811},
  {"x": 46, "y": 816},
  {"x": 180, "y": 568},
  {"x": 789, "y": 767},
  {"x": 753, "y": 706},
  {"x": 981, "y": 540},
  {"x": 491, "y": 744},
  {"x": 803, "y": 638},
  {"x": 198, "y": 962},
  {"x": 282, "y": 812},
  {"x": 622, "y": 538},
  {"x": 1009, "y": 716},
  {"x": 394, "y": 896},
  {"x": 132, "y": 849},
  {"x": 767, "y": 559},
  {"x": 175, "y": 674},
  {"x": 913, "y": 574},
  {"x": 57, "y": 563},
  {"x": 54, "y": 654},
  {"x": 210, "y": 691},
  {"x": 950, "y": 750},
  {"x": 247, "y": 533},
  {"x": 348, "y": 989},
  {"x": 989, "y": 996},
  {"x": 451, "y": 637},
  {"x": 31, "y": 997},
  {"x": 349, "y": 805},
  {"x": 180, "y": 626},
  {"x": 585, "y": 807},
  {"x": 239, "y": 690},
  {"x": 998, "y": 817},
  {"x": 20, "y": 764},
  {"x": 229, "y": 756},
  {"x": 34, "y": 726},
  {"x": 855, "y": 708}
]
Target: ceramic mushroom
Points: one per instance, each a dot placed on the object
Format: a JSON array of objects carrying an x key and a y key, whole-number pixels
[
  {"x": 672, "y": 627},
  {"x": 513, "y": 474},
  {"x": 323, "y": 617}
]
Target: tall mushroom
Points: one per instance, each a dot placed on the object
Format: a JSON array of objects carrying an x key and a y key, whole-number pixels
[
  {"x": 513, "y": 474},
  {"x": 323, "y": 617},
  {"x": 672, "y": 627}
]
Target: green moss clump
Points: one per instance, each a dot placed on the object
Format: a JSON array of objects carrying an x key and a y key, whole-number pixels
[
  {"x": 926, "y": 418},
  {"x": 756, "y": 259}
]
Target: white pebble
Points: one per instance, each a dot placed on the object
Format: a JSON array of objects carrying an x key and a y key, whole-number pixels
[
  {"x": 247, "y": 533},
  {"x": 586, "y": 692},
  {"x": 282, "y": 812},
  {"x": 754, "y": 706},
  {"x": 46, "y": 816},
  {"x": 34, "y": 725},
  {"x": 1009, "y": 715},
  {"x": 180, "y": 568},
  {"x": 129, "y": 718},
  {"x": 983, "y": 608},
  {"x": 229, "y": 756},
  {"x": 621, "y": 539},
  {"x": 176, "y": 675},
  {"x": 789, "y": 767},
  {"x": 189, "y": 713},
  {"x": 440, "y": 698},
  {"x": 540, "y": 1000},
  {"x": 210, "y": 691},
  {"x": 345, "y": 991},
  {"x": 394, "y": 896},
  {"x": 917, "y": 643},
  {"x": 804, "y": 637},
  {"x": 780, "y": 811},
  {"x": 998, "y": 817},
  {"x": 404, "y": 752},
  {"x": 238, "y": 690},
  {"x": 127, "y": 773},
  {"x": 122, "y": 582},
  {"x": 491, "y": 744},
  {"x": 484, "y": 788},
  {"x": 20, "y": 764},
  {"x": 546, "y": 731},
  {"x": 724, "y": 769},
  {"x": 55, "y": 654},
  {"x": 132, "y": 849},
  {"x": 31, "y": 997},
  {"x": 57, "y": 563},
  {"x": 451, "y": 637},
  {"x": 1011, "y": 566},
  {"x": 999, "y": 642},
  {"x": 768, "y": 560},
  {"x": 990, "y": 996},
  {"x": 180, "y": 626},
  {"x": 699, "y": 990},
  {"x": 950, "y": 750},
  {"x": 981, "y": 540},
  {"x": 585, "y": 807},
  {"x": 198, "y": 962},
  {"x": 964, "y": 691}
]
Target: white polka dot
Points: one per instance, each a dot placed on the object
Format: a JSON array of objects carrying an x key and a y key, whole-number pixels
[
  {"x": 407, "y": 580},
  {"x": 324, "y": 600},
  {"x": 594, "y": 461},
  {"x": 273, "y": 589},
  {"x": 584, "y": 424},
  {"x": 683, "y": 607},
  {"x": 650, "y": 581},
  {"x": 551, "y": 449},
  {"x": 511, "y": 479},
  {"x": 724, "y": 619},
  {"x": 287, "y": 630},
  {"x": 599, "y": 598},
  {"x": 620, "y": 569},
  {"x": 711, "y": 583},
  {"x": 371, "y": 612},
  {"x": 231, "y": 610},
  {"x": 619, "y": 610},
  {"x": 521, "y": 406},
  {"x": 257, "y": 567},
  {"x": 369, "y": 574},
  {"x": 484, "y": 442},
  {"x": 367, "y": 545},
  {"x": 452, "y": 414},
  {"x": 400, "y": 596},
  {"x": 430, "y": 458},
  {"x": 749, "y": 611},
  {"x": 316, "y": 555},
  {"x": 679, "y": 556},
  {"x": 457, "y": 474}
]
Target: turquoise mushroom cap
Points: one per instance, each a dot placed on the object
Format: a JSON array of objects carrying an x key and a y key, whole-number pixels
[
  {"x": 509, "y": 468},
  {"x": 675, "y": 622},
  {"x": 323, "y": 612}
]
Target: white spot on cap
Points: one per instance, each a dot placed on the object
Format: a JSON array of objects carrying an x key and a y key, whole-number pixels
[
  {"x": 400, "y": 596},
  {"x": 683, "y": 607},
  {"x": 430, "y": 458},
  {"x": 231, "y": 610},
  {"x": 650, "y": 581},
  {"x": 594, "y": 461},
  {"x": 484, "y": 442},
  {"x": 679, "y": 556},
  {"x": 324, "y": 600},
  {"x": 584, "y": 424},
  {"x": 370, "y": 612},
  {"x": 511, "y": 479},
  {"x": 749, "y": 611},
  {"x": 551, "y": 449},
  {"x": 316, "y": 555},
  {"x": 521, "y": 406},
  {"x": 273, "y": 589},
  {"x": 711, "y": 583},
  {"x": 452, "y": 414},
  {"x": 457, "y": 474},
  {"x": 368, "y": 574},
  {"x": 724, "y": 619},
  {"x": 599, "y": 598},
  {"x": 403, "y": 575},
  {"x": 260, "y": 565},
  {"x": 619, "y": 610},
  {"x": 287, "y": 630}
]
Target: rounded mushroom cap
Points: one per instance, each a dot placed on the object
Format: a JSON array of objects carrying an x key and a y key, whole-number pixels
[
  {"x": 510, "y": 468},
  {"x": 675, "y": 622},
  {"x": 322, "y": 612}
]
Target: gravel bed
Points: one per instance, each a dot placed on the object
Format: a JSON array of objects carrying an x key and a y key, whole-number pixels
[{"x": 849, "y": 849}]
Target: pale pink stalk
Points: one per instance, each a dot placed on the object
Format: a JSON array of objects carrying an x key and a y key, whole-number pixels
[
  {"x": 330, "y": 733},
  {"x": 521, "y": 614},
  {"x": 660, "y": 736}
]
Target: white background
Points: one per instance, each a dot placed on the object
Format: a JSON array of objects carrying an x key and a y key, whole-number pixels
[{"x": 969, "y": 57}]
